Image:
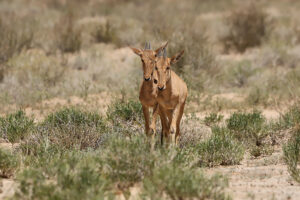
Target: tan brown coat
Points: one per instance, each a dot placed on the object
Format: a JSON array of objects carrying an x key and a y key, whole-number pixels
[
  {"x": 172, "y": 94},
  {"x": 148, "y": 89}
]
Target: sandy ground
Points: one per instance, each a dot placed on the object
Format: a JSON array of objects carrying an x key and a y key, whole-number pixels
[{"x": 263, "y": 178}]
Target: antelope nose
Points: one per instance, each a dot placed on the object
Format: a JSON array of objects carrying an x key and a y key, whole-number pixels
[
  {"x": 147, "y": 79},
  {"x": 161, "y": 88}
]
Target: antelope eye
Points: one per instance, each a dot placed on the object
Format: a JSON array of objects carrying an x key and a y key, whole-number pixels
[
  {"x": 155, "y": 68},
  {"x": 168, "y": 68},
  {"x": 143, "y": 61}
]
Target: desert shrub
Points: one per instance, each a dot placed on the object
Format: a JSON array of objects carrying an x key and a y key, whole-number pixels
[
  {"x": 14, "y": 127},
  {"x": 247, "y": 28},
  {"x": 127, "y": 161},
  {"x": 291, "y": 118},
  {"x": 35, "y": 67},
  {"x": 173, "y": 182},
  {"x": 68, "y": 37},
  {"x": 76, "y": 117},
  {"x": 292, "y": 154},
  {"x": 198, "y": 56},
  {"x": 213, "y": 119},
  {"x": 257, "y": 151},
  {"x": 68, "y": 137},
  {"x": 70, "y": 175},
  {"x": 239, "y": 74},
  {"x": 127, "y": 110},
  {"x": 106, "y": 33},
  {"x": 220, "y": 149},
  {"x": 69, "y": 128},
  {"x": 9, "y": 163},
  {"x": 32, "y": 76},
  {"x": 14, "y": 38},
  {"x": 247, "y": 127},
  {"x": 257, "y": 96}
]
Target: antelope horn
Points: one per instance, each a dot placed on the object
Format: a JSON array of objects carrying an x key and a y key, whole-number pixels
[
  {"x": 165, "y": 53},
  {"x": 149, "y": 45},
  {"x": 160, "y": 53},
  {"x": 146, "y": 46}
]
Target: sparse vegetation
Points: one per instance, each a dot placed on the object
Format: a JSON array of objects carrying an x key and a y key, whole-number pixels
[
  {"x": 213, "y": 119},
  {"x": 71, "y": 175},
  {"x": 179, "y": 183},
  {"x": 292, "y": 154},
  {"x": 220, "y": 149},
  {"x": 253, "y": 131},
  {"x": 68, "y": 128},
  {"x": 8, "y": 164},
  {"x": 247, "y": 127},
  {"x": 76, "y": 117},
  {"x": 291, "y": 118},
  {"x": 15, "y": 126},
  {"x": 127, "y": 110}
]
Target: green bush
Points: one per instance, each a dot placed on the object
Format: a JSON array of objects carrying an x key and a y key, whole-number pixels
[
  {"x": 8, "y": 164},
  {"x": 247, "y": 28},
  {"x": 126, "y": 110},
  {"x": 127, "y": 161},
  {"x": 291, "y": 118},
  {"x": 173, "y": 182},
  {"x": 76, "y": 117},
  {"x": 247, "y": 127},
  {"x": 213, "y": 119},
  {"x": 292, "y": 154},
  {"x": 220, "y": 149},
  {"x": 53, "y": 172},
  {"x": 71, "y": 175},
  {"x": 15, "y": 126},
  {"x": 69, "y": 128}
]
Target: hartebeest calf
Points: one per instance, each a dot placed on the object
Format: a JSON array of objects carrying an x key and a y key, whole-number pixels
[
  {"x": 172, "y": 93},
  {"x": 148, "y": 89}
]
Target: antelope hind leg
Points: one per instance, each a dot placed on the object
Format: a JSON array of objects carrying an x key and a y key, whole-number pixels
[
  {"x": 147, "y": 119},
  {"x": 178, "y": 124}
]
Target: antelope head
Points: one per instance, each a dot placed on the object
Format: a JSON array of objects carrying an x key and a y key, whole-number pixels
[
  {"x": 163, "y": 67},
  {"x": 148, "y": 58}
]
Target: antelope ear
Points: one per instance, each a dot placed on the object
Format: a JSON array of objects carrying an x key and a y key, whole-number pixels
[
  {"x": 138, "y": 52},
  {"x": 161, "y": 48},
  {"x": 177, "y": 57}
]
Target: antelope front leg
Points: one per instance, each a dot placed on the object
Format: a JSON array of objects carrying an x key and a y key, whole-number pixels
[
  {"x": 153, "y": 125},
  {"x": 164, "y": 124},
  {"x": 154, "y": 117},
  {"x": 173, "y": 124},
  {"x": 147, "y": 119}
]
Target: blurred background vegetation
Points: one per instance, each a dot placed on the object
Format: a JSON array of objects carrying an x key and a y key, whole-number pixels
[{"x": 237, "y": 53}]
